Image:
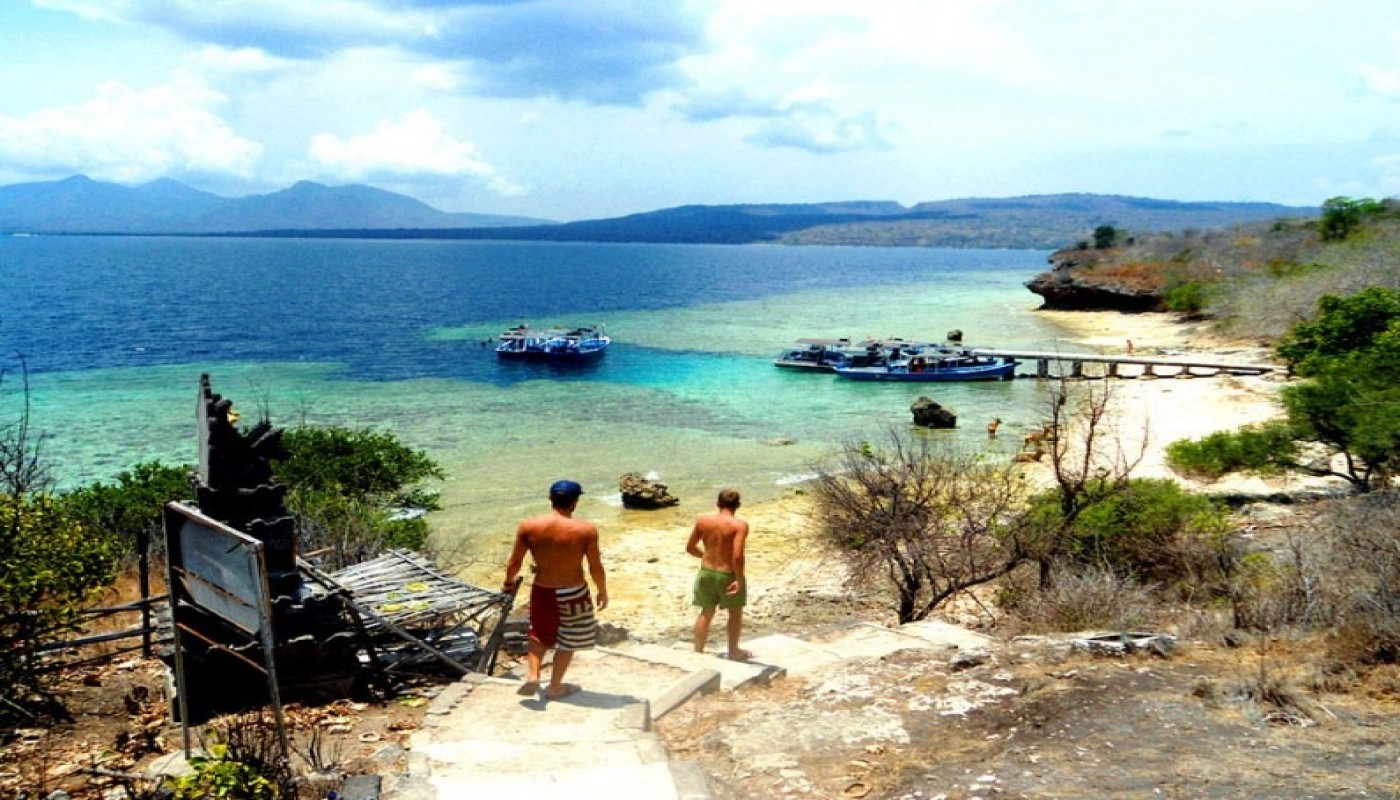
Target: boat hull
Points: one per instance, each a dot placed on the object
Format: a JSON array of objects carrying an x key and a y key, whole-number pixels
[{"x": 1000, "y": 371}]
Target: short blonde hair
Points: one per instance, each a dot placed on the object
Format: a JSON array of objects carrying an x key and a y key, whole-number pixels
[{"x": 728, "y": 498}]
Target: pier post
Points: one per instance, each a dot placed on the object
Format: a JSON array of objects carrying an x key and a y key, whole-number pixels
[
  {"x": 1076, "y": 369},
  {"x": 1113, "y": 369},
  {"x": 1147, "y": 371},
  {"x": 1042, "y": 367}
]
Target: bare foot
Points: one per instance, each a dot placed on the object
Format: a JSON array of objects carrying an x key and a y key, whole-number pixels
[
  {"x": 564, "y": 690},
  {"x": 528, "y": 688},
  {"x": 739, "y": 655}
]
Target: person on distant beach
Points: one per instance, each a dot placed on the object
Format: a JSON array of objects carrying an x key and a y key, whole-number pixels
[
  {"x": 561, "y": 611},
  {"x": 720, "y": 583}
]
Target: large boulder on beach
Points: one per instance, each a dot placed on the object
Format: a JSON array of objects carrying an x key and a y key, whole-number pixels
[
  {"x": 640, "y": 492},
  {"x": 929, "y": 414}
]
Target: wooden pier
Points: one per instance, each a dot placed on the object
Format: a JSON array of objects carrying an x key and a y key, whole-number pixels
[{"x": 1072, "y": 365}]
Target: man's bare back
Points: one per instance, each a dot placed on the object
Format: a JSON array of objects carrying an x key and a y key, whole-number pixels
[
  {"x": 559, "y": 545},
  {"x": 718, "y": 533}
]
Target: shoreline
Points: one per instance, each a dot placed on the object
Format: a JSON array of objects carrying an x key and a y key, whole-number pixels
[{"x": 794, "y": 581}]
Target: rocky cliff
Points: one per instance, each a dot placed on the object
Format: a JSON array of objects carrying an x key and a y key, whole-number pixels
[{"x": 1090, "y": 280}]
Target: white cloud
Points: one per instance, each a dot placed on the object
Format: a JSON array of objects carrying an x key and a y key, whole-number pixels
[
  {"x": 417, "y": 146},
  {"x": 222, "y": 63},
  {"x": 441, "y": 78},
  {"x": 822, "y": 133},
  {"x": 1388, "y": 168},
  {"x": 1380, "y": 80},
  {"x": 130, "y": 135}
]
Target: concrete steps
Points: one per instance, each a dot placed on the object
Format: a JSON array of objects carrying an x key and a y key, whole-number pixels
[{"x": 480, "y": 738}]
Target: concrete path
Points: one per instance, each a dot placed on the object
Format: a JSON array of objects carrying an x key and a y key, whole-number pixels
[{"x": 482, "y": 739}]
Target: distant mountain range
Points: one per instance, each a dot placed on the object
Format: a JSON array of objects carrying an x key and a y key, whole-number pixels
[{"x": 82, "y": 205}]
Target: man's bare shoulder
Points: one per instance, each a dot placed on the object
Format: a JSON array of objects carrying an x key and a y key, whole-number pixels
[{"x": 557, "y": 525}]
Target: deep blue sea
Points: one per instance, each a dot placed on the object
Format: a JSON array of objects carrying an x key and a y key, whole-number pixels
[{"x": 386, "y": 334}]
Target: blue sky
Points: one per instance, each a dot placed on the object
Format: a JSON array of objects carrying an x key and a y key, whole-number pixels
[{"x": 576, "y": 109}]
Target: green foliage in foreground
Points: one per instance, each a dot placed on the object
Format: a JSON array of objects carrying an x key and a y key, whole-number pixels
[
  {"x": 215, "y": 775},
  {"x": 1151, "y": 529},
  {"x": 49, "y": 565}
]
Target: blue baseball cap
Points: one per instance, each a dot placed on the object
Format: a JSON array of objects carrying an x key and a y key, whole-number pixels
[{"x": 568, "y": 489}]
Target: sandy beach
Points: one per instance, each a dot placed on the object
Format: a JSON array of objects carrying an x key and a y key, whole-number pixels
[{"x": 793, "y": 580}]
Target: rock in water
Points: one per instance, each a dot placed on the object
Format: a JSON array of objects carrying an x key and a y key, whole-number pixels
[
  {"x": 638, "y": 492},
  {"x": 929, "y": 414}
]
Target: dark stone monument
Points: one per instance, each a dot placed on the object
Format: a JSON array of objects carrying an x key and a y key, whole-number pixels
[{"x": 315, "y": 639}]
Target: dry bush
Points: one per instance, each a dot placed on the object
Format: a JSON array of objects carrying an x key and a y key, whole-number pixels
[
  {"x": 923, "y": 521},
  {"x": 1273, "y": 593},
  {"x": 1362, "y": 572},
  {"x": 1090, "y": 599}
]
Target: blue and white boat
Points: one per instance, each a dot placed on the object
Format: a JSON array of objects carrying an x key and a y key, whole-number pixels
[
  {"x": 927, "y": 365},
  {"x": 816, "y": 354},
  {"x": 557, "y": 345}
]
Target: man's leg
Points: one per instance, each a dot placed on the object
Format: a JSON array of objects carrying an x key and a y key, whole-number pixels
[
  {"x": 557, "y": 687},
  {"x": 702, "y": 627},
  {"x": 736, "y": 624},
  {"x": 534, "y": 659}
]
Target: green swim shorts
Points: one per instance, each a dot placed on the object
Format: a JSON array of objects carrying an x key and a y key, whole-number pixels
[{"x": 709, "y": 590}]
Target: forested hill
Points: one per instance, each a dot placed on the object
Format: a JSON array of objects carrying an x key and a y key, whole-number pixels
[
  {"x": 80, "y": 205},
  {"x": 1036, "y": 222}
]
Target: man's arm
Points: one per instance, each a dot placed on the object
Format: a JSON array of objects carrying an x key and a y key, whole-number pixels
[
  {"x": 517, "y": 557},
  {"x": 596, "y": 571},
  {"x": 737, "y": 561},
  {"x": 693, "y": 546}
]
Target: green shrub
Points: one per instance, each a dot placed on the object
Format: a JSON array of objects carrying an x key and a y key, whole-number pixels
[
  {"x": 1153, "y": 530},
  {"x": 131, "y": 508},
  {"x": 1190, "y": 297},
  {"x": 349, "y": 489},
  {"x": 215, "y": 775},
  {"x": 49, "y": 565},
  {"x": 1263, "y": 448}
]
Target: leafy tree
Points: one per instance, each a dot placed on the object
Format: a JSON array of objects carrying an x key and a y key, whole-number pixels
[
  {"x": 131, "y": 508},
  {"x": 49, "y": 563},
  {"x": 1343, "y": 215},
  {"x": 927, "y": 522},
  {"x": 1189, "y": 297},
  {"x": 1105, "y": 236},
  {"x": 351, "y": 490},
  {"x": 361, "y": 463},
  {"x": 1343, "y": 327}
]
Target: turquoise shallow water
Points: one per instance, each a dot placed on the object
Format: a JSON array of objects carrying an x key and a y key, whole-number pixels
[{"x": 687, "y": 394}]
